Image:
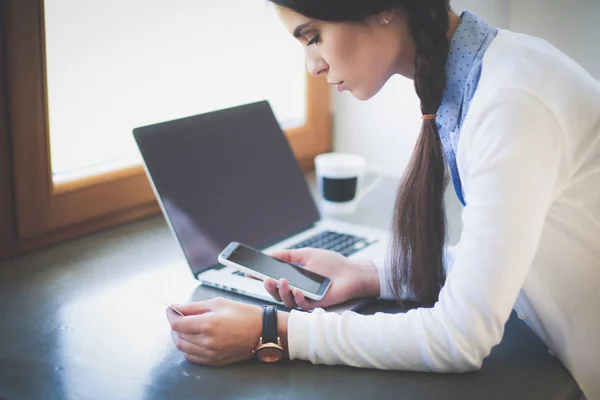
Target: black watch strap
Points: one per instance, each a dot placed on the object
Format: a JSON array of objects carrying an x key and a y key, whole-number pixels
[{"x": 269, "y": 332}]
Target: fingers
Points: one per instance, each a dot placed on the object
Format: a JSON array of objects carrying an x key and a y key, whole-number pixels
[
  {"x": 192, "y": 352},
  {"x": 298, "y": 256},
  {"x": 302, "y": 301},
  {"x": 193, "y": 308},
  {"x": 198, "y": 345},
  {"x": 284, "y": 255},
  {"x": 271, "y": 287},
  {"x": 292, "y": 298},
  {"x": 192, "y": 324},
  {"x": 185, "y": 345},
  {"x": 285, "y": 293},
  {"x": 172, "y": 316},
  {"x": 198, "y": 359}
]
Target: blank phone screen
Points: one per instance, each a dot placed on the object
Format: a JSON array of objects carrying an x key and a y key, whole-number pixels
[{"x": 276, "y": 269}]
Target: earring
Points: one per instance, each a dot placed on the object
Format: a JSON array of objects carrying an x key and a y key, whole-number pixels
[{"x": 385, "y": 21}]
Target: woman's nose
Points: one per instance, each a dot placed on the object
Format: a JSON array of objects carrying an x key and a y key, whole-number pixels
[{"x": 316, "y": 65}]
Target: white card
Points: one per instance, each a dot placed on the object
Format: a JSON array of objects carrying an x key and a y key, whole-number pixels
[{"x": 166, "y": 304}]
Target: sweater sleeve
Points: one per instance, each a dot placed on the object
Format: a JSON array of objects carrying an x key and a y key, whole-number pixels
[{"x": 513, "y": 150}]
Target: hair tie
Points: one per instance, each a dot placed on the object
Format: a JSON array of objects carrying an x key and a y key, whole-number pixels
[{"x": 429, "y": 116}]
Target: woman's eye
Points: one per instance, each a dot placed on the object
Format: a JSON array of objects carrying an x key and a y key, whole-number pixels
[{"x": 314, "y": 40}]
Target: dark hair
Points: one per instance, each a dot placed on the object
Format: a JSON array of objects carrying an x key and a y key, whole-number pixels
[{"x": 419, "y": 223}]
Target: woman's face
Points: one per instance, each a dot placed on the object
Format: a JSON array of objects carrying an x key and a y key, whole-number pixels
[{"x": 359, "y": 57}]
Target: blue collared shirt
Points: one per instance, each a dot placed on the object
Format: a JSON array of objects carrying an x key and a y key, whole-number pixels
[{"x": 463, "y": 69}]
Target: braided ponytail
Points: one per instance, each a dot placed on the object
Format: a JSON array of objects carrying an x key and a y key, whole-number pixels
[{"x": 419, "y": 224}]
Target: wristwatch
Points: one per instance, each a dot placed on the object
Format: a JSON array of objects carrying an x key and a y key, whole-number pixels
[{"x": 269, "y": 347}]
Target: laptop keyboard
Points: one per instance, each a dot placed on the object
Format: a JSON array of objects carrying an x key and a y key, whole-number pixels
[{"x": 342, "y": 243}]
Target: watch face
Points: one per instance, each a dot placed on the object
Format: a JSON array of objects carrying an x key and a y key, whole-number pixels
[{"x": 268, "y": 353}]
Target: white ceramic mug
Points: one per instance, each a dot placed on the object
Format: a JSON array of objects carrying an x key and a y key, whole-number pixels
[{"x": 341, "y": 181}]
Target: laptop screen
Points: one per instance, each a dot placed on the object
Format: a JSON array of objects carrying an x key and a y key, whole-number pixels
[{"x": 226, "y": 176}]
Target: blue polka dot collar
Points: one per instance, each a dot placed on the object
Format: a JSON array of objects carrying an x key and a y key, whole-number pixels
[{"x": 463, "y": 69}]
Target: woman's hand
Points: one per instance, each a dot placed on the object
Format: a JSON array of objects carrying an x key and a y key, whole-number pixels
[
  {"x": 216, "y": 332},
  {"x": 349, "y": 279}
]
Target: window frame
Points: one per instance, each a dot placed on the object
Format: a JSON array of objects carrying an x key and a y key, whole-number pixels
[{"x": 41, "y": 212}]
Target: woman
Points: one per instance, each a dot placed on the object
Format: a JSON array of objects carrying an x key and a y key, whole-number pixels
[{"x": 517, "y": 123}]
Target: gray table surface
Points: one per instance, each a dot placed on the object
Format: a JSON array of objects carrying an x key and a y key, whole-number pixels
[{"x": 77, "y": 322}]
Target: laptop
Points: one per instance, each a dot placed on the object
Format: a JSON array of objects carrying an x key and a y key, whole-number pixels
[{"x": 230, "y": 175}]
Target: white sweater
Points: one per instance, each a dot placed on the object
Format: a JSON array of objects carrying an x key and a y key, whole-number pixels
[{"x": 529, "y": 162}]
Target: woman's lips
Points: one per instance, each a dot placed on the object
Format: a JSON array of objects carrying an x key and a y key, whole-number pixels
[{"x": 340, "y": 86}]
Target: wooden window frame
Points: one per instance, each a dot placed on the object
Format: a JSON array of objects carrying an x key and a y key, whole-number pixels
[{"x": 36, "y": 211}]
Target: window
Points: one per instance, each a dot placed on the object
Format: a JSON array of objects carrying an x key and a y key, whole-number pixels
[{"x": 80, "y": 75}]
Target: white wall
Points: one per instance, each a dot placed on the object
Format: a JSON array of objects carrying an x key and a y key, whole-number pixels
[
  {"x": 384, "y": 129},
  {"x": 573, "y": 26}
]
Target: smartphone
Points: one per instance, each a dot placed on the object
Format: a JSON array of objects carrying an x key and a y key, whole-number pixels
[{"x": 260, "y": 265}]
